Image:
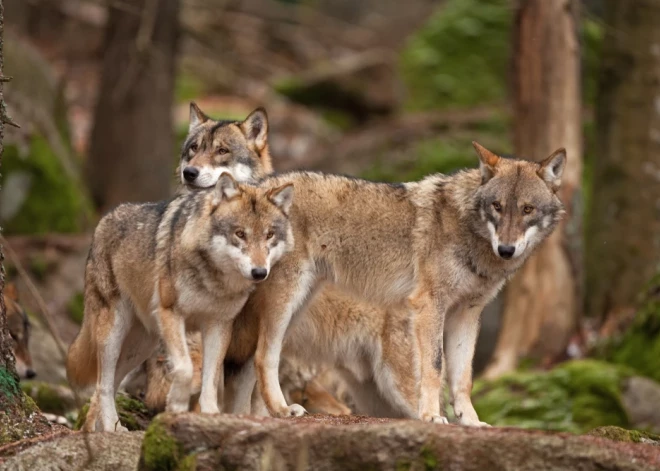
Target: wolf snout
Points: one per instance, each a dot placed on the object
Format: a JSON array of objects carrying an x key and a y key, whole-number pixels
[
  {"x": 259, "y": 274},
  {"x": 190, "y": 174},
  {"x": 30, "y": 373},
  {"x": 506, "y": 251}
]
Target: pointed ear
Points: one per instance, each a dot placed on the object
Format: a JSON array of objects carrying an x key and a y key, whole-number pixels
[
  {"x": 225, "y": 189},
  {"x": 282, "y": 197},
  {"x": 487, "y": 162},
  {"x": 552, "y": 169},
  {"x": 255, "y": 128},
  {"x": 197, "y": 116}
]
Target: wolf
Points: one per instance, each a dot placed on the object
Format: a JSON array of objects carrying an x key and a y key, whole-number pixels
[
  {"x": 213, "y": 147},
  {"x": 19, "y": 327},
  {"x": 156, "y": 269},
  {"x": 440, "y": 248}
]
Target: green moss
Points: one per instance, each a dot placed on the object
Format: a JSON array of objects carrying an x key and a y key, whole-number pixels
[
  {"x": 133, "y": 414},
  {"x": 576, "y": 396},
  {"x": 48, "y": 397},
  {"x": 8, "y": 384},
  {"x": 82, "y": 416},
  {"x": 622, "y": 435},
  {"x": 76, "y": 308},
  {"x": 161, "y": 451},
  {"x": 429, "y": 459},
  {"x": 53, "y": 203},
  {"x": 639, "y": 346}
]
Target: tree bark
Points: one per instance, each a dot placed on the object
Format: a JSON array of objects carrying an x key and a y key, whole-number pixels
[
  {"x": 624, "y": 223},
  {"x": 132, "y": 143},
  {"x": 542, "y": 301}
]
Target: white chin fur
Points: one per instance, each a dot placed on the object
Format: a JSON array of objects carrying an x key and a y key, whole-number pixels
[{"x": 208, "y": 176}]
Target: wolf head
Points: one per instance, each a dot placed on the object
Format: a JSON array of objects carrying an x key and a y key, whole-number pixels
[
  {"x": 249, "y": 226},
  {"x": 212, "y": 147},
  {"x": 19, "y": 326},
  {"x": 517, "y": 201}
]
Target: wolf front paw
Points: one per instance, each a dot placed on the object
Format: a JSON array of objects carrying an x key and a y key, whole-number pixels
[
  {"x": 472, "y": 423},
  {"x": 436, "y": 419},
  {"x": 294, "y": 410}
]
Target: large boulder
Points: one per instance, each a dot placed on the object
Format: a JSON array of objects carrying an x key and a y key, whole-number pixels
[{"x": 206, "y": 442}]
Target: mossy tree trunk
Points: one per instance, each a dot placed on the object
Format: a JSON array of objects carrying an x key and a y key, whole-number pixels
[
  {"x": 132, "y": 142},
  {"x": 543, "y": 300},
  {"x": 624, "y": 224}
]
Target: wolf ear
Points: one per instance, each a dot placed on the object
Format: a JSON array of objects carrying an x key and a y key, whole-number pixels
[
  {"x": 552, "y": 169},
  {"x": 282, "y": 197},
  {"x": 255, "y": 128},
  {"x": 226, "y": 188},
  {"x": 487, "y": 162},
  {"x": 197, "y": 116}
]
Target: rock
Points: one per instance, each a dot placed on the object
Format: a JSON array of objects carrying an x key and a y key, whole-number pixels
[
  {"x": 640, "y": 398},
  {"x": 619, "y": 434},
  {"x": 50, "y": 398},
  {"x": 133, "y": 414},
  {"x": 205, "y": 442},
  {"x": 110, "y": 451}
]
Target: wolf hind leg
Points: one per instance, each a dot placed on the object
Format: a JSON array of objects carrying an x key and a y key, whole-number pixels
[
  {"x": 138, "y": 346},
  {"x": 111, "y": 338}
]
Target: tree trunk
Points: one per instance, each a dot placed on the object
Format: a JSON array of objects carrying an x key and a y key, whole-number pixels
[
  {"x": 132, "y": 143},
  {"x": 541, "y": 302},
  {"x": 19, "y": 418},
  {"x": 624, "y": 223}
]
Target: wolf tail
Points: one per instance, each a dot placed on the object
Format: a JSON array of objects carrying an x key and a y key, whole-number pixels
[{"x": 81, "y": 361}]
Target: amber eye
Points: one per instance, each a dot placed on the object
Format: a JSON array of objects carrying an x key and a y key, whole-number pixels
[
  {"x": 240, "y": 234},
  {"x": 223, "y": 151},
  {"x": 497, "y": 206},
  {"x": 193, "y": 147},
  {"x": 527, "y": 209},
  {"x": 270, "y": 235}
]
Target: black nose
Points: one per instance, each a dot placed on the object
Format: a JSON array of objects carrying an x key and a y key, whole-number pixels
[
  {"x": 506, "y": 251},
  {"x": 29, "y": 374},
  {"x": 190, "y": 173},
  {"x": 259, "y": 274}
]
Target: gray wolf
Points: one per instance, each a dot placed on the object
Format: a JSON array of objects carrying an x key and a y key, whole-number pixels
[
  {"x": 154, "y": 270},
  {"x": 440, "y": 248},
  {"x": 19, "y": 327},
  {"x": 212, "y": 147}
]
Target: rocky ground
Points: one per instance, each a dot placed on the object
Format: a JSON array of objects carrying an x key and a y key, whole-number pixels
[{"x": 202, "y": 442}]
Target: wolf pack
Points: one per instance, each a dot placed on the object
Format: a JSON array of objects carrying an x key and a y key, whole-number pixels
[{"x": 212, "y": 300}]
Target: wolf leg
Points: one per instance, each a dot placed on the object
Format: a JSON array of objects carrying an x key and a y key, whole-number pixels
[
  {"x": 429, "y": 334},
  {"x": 173, "y": 331},
  {"x": 137, "y": 347},
  {"x": 461, "y": 330},
  {"x": 243, "y": 386},
  {"x": 110, "y": 346},
  {"x": 285, "y": 297},
  {"x": 215, "y": 341}
]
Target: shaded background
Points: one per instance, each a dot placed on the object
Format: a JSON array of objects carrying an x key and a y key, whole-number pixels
[{"x": 381, "y": 90}]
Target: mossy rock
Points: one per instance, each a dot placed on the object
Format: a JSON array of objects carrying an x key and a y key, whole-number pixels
[
  {"x": 576, "y": 396},
  {"x": 161, "y": 451},
  {"x": 639, "y": 346},
  {"x": 622, "y": 435},
  {"x": 50, "y": 397},
  {"x": 45, "y": 199},
  {"x": 133, "y": 414}
]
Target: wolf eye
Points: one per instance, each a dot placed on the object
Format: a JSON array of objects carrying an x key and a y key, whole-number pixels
[
  {"x": 497, "y": 206},
  {"x": 270, "y": 235},
  {"x": 223, "y": 151},
  {"x": 240, "y": 234},
  {"x": 193, "y": 147},
  {"x": 527, "y": 209}
]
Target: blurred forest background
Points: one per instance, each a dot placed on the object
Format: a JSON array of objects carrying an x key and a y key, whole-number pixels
[{"x": 382, "y": 89}]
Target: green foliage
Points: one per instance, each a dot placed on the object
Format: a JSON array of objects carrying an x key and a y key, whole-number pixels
[
  {"x": 576, "y": 396},
  {"x": 639, "y": 346},
  {"x": 592, "y": 40},
  {"x": 187, "y": 87},
  {"x": 436, "y": 155},
  {"x": 461, "y": 56},
  {"x": 54, "y": 203}
]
